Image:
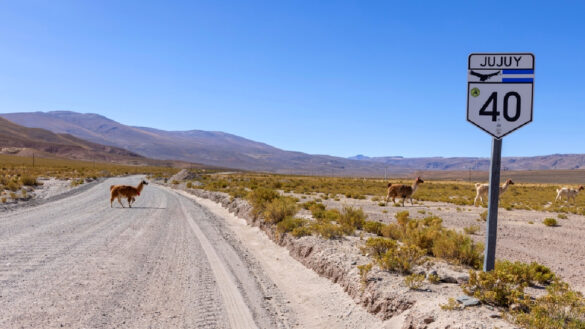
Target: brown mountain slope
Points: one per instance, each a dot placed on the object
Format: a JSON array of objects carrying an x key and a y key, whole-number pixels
[
  {"x": 226, "y": 150},
  {"x": 19, "y": 140}
]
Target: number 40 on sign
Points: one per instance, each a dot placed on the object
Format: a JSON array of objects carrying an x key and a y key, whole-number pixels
[{"x": 500, "y": 90}]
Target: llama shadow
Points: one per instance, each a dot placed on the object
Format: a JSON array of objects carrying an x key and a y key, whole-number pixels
[{"x": 145, "y": 208}]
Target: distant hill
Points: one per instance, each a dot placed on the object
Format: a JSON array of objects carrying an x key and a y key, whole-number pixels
[
  {"x": 229, "y": 151},
  {"x": 206, "y": 147},
  {"x": 544, "y": 162},
  {"x": 19, "y": 140}
]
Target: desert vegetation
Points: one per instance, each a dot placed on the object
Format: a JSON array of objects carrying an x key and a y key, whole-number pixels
[
  {"x": 539, "y": 197},
  {"x": 17, "y": 173},
  {"x": 406, "y": 244}
]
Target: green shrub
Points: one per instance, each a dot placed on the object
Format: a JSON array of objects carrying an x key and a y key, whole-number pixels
[
  {"x": 562, "y": 216},
  {"x": 377, "y": 247},
  {"x": 392, "y": 231},
  {"x": 189, "y": 185},
  {"x": 434, "y": 278},
  {"x": 401, "y": 259},
  {"x": 373, "y": 227},
  {"x": 483, "y": 215},
  {"x": 289, "y": 223},
  {"x": 414, "y": 281},
  {"x": 496, "y": 288},
  {"x": 526, "y": 274},
  {"x": 307, "y": 205},
  {"x": 29, "y": 181},
  {"x": 328, "y": 230},
  {"x": 402, "y": 217},
  {"x": 451, "y": 305},
  {"x": 550, "y": 222},
  {"x": 352, "y": 217},
  {"x": 259, "y": 198},
  {"x": 505, "y": 284},
  {"x": 457, "y": 248},
  {"x": 560, "y": 308},
  {"x": 471, "y": 229},
  {"x": 280, "y": 208},
  {"x": 301, "y": 231},
  {"x": 364, "y": 270}
]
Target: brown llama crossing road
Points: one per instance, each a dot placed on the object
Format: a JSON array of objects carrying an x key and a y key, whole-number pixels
[{"x": 165, "y": 263}]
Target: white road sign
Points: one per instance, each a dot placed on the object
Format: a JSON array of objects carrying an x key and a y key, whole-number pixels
[{"x": 500, "y": 89}]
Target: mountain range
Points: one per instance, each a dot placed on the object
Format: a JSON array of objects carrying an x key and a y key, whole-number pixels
[
  {"x": 230, "y": 151},
  {"x": 19, "y": 140}
]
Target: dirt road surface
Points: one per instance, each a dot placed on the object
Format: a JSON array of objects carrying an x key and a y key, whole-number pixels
[{"x": 165, "y": 263}]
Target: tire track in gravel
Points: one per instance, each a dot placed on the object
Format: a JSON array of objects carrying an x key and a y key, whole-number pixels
[{"x": 76, "y": 263}]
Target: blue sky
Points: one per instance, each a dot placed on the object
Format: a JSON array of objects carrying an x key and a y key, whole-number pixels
[{"x": 326, "y": 77}]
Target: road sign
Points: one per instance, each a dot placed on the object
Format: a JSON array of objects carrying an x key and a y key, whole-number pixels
[{"x": 500, "y": 89}]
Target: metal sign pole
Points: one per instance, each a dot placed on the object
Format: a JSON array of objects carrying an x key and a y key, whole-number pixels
[{"x": 494, "y": 192}]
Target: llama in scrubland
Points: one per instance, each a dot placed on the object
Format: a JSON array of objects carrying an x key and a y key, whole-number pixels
[
  {"x": 402, "y": 191},
  {"x": 568, "y": 193},
  {"x": 481, "y": 190}
]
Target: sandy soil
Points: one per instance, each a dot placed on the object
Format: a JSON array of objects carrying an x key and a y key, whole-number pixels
[
  {"x": 384, "y": 295},
  {"x": 315, "y": 301},
  {"x": 561, "y": 248}
]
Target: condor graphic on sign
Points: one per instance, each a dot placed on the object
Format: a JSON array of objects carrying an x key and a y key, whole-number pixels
[{"x": 500, "y": 89}]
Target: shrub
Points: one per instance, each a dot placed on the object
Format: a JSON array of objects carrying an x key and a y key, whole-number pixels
[
  {"x": 364, "y": 270},
  {"x": 495, "y": 287},
  {"x": 560, "y": 308},
  {"x": 402, "y": 217},
  {"x": 328, "y": 230},
  {"x": 392, "y": 231},
  {"x": 3, "y": 199},
  {"x": 189, "y": 185},
  {"x": 373, "y": 227},
  {"x": 280, "y": 208},
  {"x": 505, "y": 284},
  {"x": 434, "y": 278},
  {"x": 317, "y": 209},
  {"x": 301, "y": 231},
  {"x": 471, "y": 229},
  {"x": 175, "y": 182},
  {"x": 382, "y": 204},
  {"x": 259, "y": 198},
  {"x": 526, "y": 274},
  {"x": 414, "y": 281},
  {"x": 289, "y": 223},
  {"x": 550, "y": 222},
  {"x": 307, "y": 205},
  {"x": 562, "y": 216},
  {"x": 352, "y": 217},
  {"x": 377, "y": 247},
  {"x": 402, "y": 259},
  {"x": 483, "y": 215},
  {"x": 29, "y": 181},
  {"x": 457, "y": 248},
  {"x": 451, "y": 305}
]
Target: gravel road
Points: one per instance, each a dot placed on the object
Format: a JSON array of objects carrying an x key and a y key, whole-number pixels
[{"x": 165, "y": 263}]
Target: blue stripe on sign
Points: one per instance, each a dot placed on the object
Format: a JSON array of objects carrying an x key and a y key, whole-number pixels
[
  {"x": 517, "y": 80},
  {"x": 517, "y": 71}
]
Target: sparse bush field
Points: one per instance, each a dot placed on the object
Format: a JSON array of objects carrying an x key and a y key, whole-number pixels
[
  {"x": 16, "y": 172},
  {"x": 400, "y": 247},
  {"x": 519, "y": 196}
]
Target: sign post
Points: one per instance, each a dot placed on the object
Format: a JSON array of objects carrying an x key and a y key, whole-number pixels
[{"x": 500, "y": 89}]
